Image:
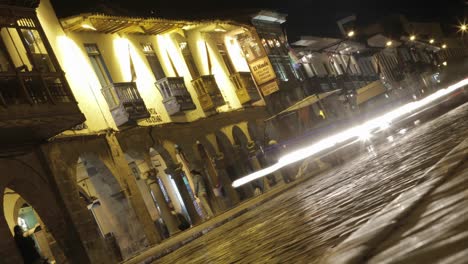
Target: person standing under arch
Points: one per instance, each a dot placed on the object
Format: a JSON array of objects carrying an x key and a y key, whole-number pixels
[
  {"x": 26, "y": 245},
  {"x": 201, "y": 194}
]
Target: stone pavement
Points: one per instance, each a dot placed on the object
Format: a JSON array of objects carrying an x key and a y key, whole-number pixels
[
  {"x": 426, "y": 224},
  {"x": 173, "y": 243}
]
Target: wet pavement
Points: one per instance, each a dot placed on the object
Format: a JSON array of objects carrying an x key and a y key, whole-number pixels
[
  {"x": 437, "y": 231},
  {"x": 305, "y": 222}
]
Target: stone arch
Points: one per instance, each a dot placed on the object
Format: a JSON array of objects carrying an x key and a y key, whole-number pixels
[
  {"x": 113, "y": 213},
  {"x": 39, "y": 196},
  {"x": 204, "y": 144},
  {"x": 225, "y": 146},
  {"x": 240, "y": 138},
  {"x": 62, "y": 161},
  {"x": 13, "y": 204}
]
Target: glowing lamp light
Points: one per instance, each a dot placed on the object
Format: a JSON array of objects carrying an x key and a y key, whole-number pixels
[
  {"x": 351, "y": 33},
  {"x": 389, "y": 43},
  {"x": 444, "y": 63},
  {"x": 444, "y": 46},
  {"x": 463, "y": 27},
  {"x": 356, "y": 132},
  {"x": 219, "y": 28},
  {"x": 412, "y": 38},
  {"x": 86, "y": 24},
  {"x": 431, "y": 41}
]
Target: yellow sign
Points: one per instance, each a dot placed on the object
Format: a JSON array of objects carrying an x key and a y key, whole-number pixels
[
  {"x": 262, "y": 71},
  {"x": 269, "y": 88}
]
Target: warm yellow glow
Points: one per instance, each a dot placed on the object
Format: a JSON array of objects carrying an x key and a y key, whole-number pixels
[
  {"x": 235, "y": 53},
  {"x": 389, "y": 43},
  {"x": 169, "y": 48},
  {"x": 219, "y": 28},
  {"x": 431, "y": 41},
  {"x": 412, "y": 37},
  {"x": 84, "y": 84},
  {"x": 121, "y": 49},
  {"x": 224, "y": 83},
  {"x": 203, "y": 56},
  {"x": 444, "y": 46},
  {"x": 86, "y": 24},
  {"x": 444, "y": 63},
  {"x": 351, "y": 33},
  {"x": 463, "y": 27}
]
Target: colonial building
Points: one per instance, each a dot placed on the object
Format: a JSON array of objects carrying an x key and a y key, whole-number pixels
[{"x": 104, "y": 117}]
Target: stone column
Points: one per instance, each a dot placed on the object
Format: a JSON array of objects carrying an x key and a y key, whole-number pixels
[
  {"x": 176, "y": 174},
  {"x": 169, "y": 219},
  {"x": 231, "y": 194},
  {"x": 129, "y": 184}
]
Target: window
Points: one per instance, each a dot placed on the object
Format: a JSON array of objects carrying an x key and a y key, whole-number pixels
[
  {"x": 98, "y": 64},
  {"x": 183, "y": 45},
  {"x": 153, "y": 61},
  {"x": 227, "y": 60},
  {"x": 279, "y": 69},
  {"x": 35, "y": 45}
]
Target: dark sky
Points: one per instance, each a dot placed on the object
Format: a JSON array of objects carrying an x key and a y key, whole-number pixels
[{"x": 305, "y": 17}]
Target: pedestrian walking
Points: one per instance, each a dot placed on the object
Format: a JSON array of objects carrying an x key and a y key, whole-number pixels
[{"x": 201, "y": 194}]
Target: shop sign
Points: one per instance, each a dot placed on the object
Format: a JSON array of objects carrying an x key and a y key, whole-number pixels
[
  {"x": 269, "y": 88},
  {"x": 262, "y": 70}
]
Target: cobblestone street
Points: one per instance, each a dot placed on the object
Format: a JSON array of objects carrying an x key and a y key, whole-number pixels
[{"x": 302, "y": 224}]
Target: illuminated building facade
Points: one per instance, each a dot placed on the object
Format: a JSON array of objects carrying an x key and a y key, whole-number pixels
[{"x": 111, "y": 115}]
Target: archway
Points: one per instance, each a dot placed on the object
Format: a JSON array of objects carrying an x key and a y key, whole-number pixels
[
  {"x": 112, "y": 212},
  {"x": 18, "y": 211},
  {"x": 208, "y": 157},
  {"x": 234, "y": 166}
]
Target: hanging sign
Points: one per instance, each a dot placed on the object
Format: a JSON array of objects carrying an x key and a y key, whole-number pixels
[
  {"x": 269, "y": 88},
  {"x": 262, "y": 70}
]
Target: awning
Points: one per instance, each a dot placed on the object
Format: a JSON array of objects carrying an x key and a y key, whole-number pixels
[
  {"x": 310, "y": 100},
  {"x": 370, "y": 91},
  {"x": 119, "y": 24}
]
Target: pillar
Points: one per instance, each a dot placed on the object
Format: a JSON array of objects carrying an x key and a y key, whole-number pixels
[
  {"x": 231, "y": 194},
  {"x": 176, "y": 174},
  {"x": 169, "y": 219},
  {"x": 62, "y": 170},
  {"x": 63, "y": 229},
  {"x": 123, "y": 172}
]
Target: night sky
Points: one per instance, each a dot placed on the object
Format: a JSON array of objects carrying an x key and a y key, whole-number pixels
[{"x": 305, "y": 17}]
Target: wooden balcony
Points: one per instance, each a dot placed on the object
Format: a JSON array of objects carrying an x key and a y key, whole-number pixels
[
  {"x": 176, "y": 98},
  {"x": 125, "y": 103},
  {"x": 35, "y": 107},
  {"x": 246, "y": 90},
  {"x": 208, "y": 92}
]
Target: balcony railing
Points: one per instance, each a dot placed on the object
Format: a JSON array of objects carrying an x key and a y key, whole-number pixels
[
  {"x": 208, "y": 92},
  {"x": 176, "y": 97},
  {"x": 125, "y": 103},
  {"x": 245, "y": 87},
  {"x": 35, "y": 106}
]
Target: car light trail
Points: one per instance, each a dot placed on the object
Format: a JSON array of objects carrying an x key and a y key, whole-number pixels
[{"x": 361, "y": 131}]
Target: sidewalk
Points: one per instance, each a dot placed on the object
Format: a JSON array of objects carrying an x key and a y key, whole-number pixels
[
  {"x": 175, "y": 242},
  {"x": 428, "y": 223}
]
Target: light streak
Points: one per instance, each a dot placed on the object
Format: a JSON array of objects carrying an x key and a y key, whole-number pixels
[{"x": 348, "y": 134}]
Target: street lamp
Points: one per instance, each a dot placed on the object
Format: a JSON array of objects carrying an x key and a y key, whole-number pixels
[
  {"x": 444, "y": 46},
  {"x": 389, "y": 43},
  {"x": 351, "y": 33},
  {"x": 431, "y": 41},
  {"x": 463, "y": 28},
  {"x": 412, "y": 38}
]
